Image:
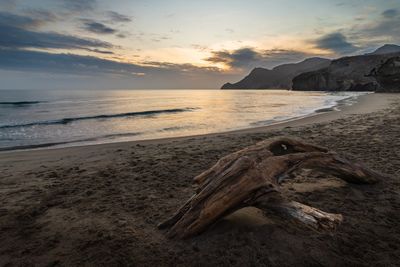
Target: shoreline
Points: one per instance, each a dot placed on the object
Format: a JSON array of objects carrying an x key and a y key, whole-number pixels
[
  {"x": 366, "y": 103},
  {"x": 100, "y": 205}
]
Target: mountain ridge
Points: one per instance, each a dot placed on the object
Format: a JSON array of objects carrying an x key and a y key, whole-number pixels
[
  {"x": 315, "y": 73},
  {"x": 279, "y": 77},
  {"x": 386, "y": 49}
]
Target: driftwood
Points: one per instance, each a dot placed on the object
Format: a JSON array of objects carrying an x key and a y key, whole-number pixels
[{"x": 251, "y": 177}]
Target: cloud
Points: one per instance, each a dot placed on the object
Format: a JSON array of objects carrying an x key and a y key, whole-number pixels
[
  {"x": 33, "y": 69},
  {"x": 335, "y": 42},
  {"x": 121, "y": 35},
  {"x": 18, "y": 31},
  {"x": 15, "y": 59},
  {"x": 246, "y": 58},
  {"x": 9, "y": 4},
  {"x": 12, "y": 37},
  {"x": 387, "y": 25},
  {"x": 372, "y": 33},
  {"x": 101, "y": 51},
  {"x": 186, "y": 67},
  {"x": 390, "y": 13},
  {"x": 41, "y": 15},
  {"x": 44, "y": 62},
  {"x": 160, "y": 38},
  {"x": 97, "y": 27},
  {"x": 117, "y": 17},
  {"x": 79, "y": 5},
  {"x": 100, "y": 28},
  {"x": 20, "y": 21},
  {"x": 237, "y": 58}
]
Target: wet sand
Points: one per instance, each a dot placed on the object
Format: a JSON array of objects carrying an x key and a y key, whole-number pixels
[{"x": 100, "y": 205}]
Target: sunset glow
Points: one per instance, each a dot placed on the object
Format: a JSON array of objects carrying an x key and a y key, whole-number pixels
[{"x": 166, "y": 40}]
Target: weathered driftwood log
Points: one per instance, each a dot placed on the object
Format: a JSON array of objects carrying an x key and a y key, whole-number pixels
[{"x": 251, "y": 177}]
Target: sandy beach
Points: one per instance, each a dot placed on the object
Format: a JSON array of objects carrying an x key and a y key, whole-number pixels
[{"x": 100, "y": 205}]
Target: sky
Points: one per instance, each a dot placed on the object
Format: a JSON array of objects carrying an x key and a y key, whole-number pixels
[{"x": 157, "y": 44}]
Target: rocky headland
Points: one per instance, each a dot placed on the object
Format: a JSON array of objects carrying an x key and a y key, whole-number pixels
[{"x": 378, "y": 71}]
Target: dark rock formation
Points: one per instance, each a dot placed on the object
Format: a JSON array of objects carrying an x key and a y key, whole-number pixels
[
  {"x": 376, "y": 71},
  {"x": 279, "y": 77},
  {"x": 388, "y": 75},
  {"x": 344, "y": 74}
]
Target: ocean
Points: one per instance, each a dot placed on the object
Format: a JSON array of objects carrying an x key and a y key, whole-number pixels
[{"x": 39, "y": 118}]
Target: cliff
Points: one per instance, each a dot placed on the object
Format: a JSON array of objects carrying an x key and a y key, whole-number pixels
[
  {"x": 388, "y": 75},
  {"x": 344, "y": 74},
  {"x": 279, "y": 77}
]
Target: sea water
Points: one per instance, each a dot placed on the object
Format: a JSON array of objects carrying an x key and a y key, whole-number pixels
[{"x": 39, "y": 118}]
